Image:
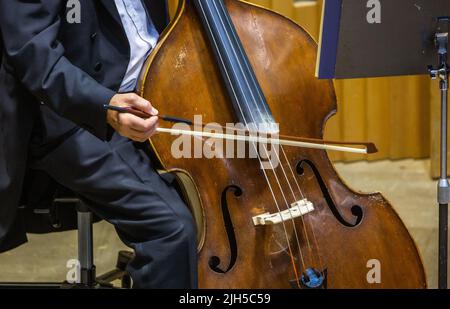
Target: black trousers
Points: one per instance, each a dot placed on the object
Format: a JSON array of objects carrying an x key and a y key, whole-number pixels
[{"x": 119, "y": 183}]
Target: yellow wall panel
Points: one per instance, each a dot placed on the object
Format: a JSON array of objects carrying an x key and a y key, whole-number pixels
[
  {"x": 377, "y": 101},
  {"x": 435, "y": 116}
]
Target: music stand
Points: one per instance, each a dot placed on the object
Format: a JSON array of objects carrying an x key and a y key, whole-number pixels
[{"x": 377, "y": 38}]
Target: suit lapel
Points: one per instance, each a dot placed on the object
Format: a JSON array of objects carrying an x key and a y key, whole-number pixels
[
  {"x": 159, "y": 14},
  {"x": 110, "y": 6}
]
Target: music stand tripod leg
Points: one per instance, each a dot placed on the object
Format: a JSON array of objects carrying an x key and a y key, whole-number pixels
[{"x": 443, "y": 186}]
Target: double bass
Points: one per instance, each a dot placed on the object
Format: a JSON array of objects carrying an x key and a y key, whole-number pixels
[{"x": 295, "y": 224}]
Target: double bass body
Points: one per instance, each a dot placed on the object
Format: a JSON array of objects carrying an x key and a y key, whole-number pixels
[{"x": 345, "y": 231}]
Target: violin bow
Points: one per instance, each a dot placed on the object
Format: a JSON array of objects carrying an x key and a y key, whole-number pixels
[{"x": 282, "y": 140}]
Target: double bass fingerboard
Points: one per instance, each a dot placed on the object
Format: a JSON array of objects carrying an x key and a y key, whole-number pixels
[{"x": 247, "y": 97}]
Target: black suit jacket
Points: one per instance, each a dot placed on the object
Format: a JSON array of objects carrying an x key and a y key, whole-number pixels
[{"x": 71, "y": 68}]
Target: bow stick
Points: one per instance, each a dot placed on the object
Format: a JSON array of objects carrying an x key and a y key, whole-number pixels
[{"x": 283, "y": 140}]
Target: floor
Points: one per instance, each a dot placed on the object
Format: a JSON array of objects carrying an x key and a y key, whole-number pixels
[{"x": 405, "y": 183}]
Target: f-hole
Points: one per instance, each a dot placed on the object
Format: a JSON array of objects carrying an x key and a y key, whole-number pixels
[
  {"x": 356, "y": 209},
  {"x": 215, "y": 261}
]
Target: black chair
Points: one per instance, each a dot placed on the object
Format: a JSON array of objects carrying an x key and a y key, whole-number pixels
[{"x": 59, "y": 216}]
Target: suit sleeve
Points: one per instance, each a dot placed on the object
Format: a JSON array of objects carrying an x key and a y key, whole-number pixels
[{"x": 29, "y": 29}]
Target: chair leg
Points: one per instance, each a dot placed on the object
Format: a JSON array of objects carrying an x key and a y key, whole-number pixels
[
  {"x": 85, "y": 246},
  {"x": 120, "y": 272},
  {"x": 86, "y": 256}
]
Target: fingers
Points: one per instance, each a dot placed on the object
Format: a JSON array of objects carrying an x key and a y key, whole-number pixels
[
  {"x": 138, "y": 124},
  {"x": 129, "y": 125},
  {"x": 140, "y": 103},
  {"x": 137, "y": 128},
  {"x": 137, "y": 137}
]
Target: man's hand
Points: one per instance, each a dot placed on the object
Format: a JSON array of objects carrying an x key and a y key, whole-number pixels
[{"x": 131, "y": 126}]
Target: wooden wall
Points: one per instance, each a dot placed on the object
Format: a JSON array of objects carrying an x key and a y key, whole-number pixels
[{"x": 395, "y": 113}]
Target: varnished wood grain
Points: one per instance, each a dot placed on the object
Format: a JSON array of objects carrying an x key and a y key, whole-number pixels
[{"x": 181, "y": 79}]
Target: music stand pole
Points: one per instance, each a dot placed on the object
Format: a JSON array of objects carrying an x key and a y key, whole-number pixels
[{"x": 442, "y": 73}]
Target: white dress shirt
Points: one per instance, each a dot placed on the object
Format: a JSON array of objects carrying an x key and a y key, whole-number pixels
[{"x": 142, "y": 36}]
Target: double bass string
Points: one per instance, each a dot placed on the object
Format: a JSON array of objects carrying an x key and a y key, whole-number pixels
[
  {"x": 259, "y": 158},
  {"x": 284, "y": 173},
  {"x": 287, "y": 180},
  {"x": 295, "y": 198},
  {"x": 309, "y": 221},
  {"x": 273, "y": 168}
]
